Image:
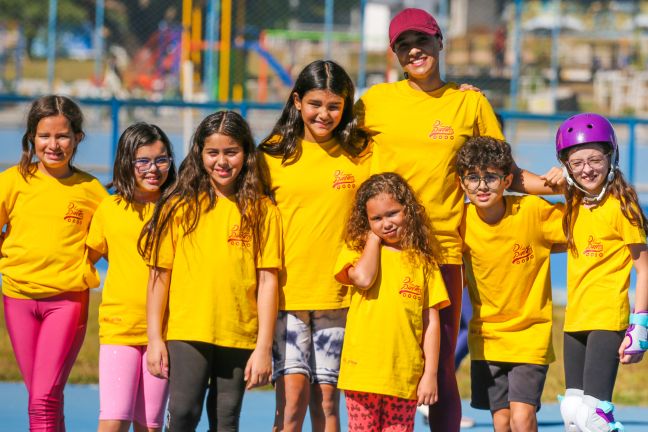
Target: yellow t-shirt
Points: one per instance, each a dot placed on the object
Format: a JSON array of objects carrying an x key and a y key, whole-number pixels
[
  {"x": 418, "y": 135},
  {"x": 599, "y": 277},
  {"x": 314, "y": 195},
  {"x": 212, "y": 297},
  {"x": 382, "y": 343},
  {"x": 507, "y": 268},
  {"x": 44, "y": 252},
  {"x": 114, "y": 232}
]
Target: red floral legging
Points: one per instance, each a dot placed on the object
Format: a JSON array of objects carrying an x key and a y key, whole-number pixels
[{"x": 375, "y": 412}]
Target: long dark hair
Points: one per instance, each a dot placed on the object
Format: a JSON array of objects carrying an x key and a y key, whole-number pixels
[
  {"x": 193, "y": 186},
  {"x": 48, "y": 106},
  {"x": 135, "y": 136},
  {"x": 618, "y": 188},
  {"x": 319, "y": 75},
  {"x": 417, "y": 240}
]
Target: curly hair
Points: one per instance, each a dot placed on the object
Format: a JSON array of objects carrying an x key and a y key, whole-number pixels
[
  {"x": 284, "y": 138},
  {"x": 417, "y": 239},
  {"x": 483, "y": 152},
  {"x": 48, "y": 106},
  {"x": 194, "y": 185},
  {"x": 618, "y": 188}
]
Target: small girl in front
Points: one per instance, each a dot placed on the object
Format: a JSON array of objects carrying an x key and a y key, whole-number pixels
[
  {"x": 128, "y": 393},
  {"x": 391, "y": 348},
  {"x": 46, "y": 204},
  {"x": 606, "y": 235},
  {"x": 214, "y": 246}
]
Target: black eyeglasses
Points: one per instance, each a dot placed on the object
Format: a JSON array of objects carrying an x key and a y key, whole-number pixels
[
  {"x": 472, "y": 181},
  {"x": 144, "y": 165}
]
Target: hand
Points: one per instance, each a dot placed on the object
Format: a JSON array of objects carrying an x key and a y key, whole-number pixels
[
  {"x": 628, "y": 358},
  {"x": 554, "y": 179},
  {"x": 157, "y": 359},
  {"x": 372, "y": 237},
  {"x": 258, "y": 369},
  {"x": 426, "y": 392},
  {"x": 469, "y": 87}
]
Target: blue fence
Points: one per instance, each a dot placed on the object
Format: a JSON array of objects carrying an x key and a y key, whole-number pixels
[{"x": 545, "y": 123}]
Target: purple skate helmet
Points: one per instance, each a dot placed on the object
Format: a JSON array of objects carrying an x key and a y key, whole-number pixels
[{"x": 586, "y": 128}]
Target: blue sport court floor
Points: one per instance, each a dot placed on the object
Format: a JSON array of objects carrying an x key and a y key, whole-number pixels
[{"x": 82, "y": 408}]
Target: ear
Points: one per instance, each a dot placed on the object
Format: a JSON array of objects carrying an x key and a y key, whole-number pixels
[
  {"x": 461, "y": 184},
  {"x": 508, "y": 180},
  {"x": 297, "y": 101}
]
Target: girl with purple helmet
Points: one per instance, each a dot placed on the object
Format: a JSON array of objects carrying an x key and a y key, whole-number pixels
[{"x": 606, "y": 236}]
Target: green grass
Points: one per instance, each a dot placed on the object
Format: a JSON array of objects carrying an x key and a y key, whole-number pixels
[{"x": 630, "y": 388}]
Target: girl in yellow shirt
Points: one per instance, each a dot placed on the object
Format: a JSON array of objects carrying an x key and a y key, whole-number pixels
[
  {"x": 143, "y": 170},
  {"x": 316, "y": 159},
  {"x": 46, "y": 207},
  {"x": 391, "y": 348},
  {"x": 606, "y": 235},
  {"x": 214, "y": 246}
]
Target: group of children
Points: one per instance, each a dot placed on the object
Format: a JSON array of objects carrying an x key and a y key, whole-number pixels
[{"x": 310, "y": 264}]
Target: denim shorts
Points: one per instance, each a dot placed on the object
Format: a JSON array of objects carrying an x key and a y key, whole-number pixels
[{"x": 309, "y": 343}]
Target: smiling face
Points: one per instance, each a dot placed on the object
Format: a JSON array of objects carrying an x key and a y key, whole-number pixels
[
  {"x": 54, "y": 145},
  {"x": 149, "y": 181},
  {"x": 589, "y": 165},
  {"x": 386, "y": 219},
  {"x": 321, "y": 111},
  {"x": 418, "y": 55},
  {"x": 223, "y": 158}
]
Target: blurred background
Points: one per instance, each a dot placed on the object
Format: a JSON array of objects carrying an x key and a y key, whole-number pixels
[{"x": 172, "y": 61}]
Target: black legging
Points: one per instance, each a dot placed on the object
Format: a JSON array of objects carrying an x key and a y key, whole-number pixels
[
  {"x": 193, "y": 368},
  {"x": 591, "y": 361}
]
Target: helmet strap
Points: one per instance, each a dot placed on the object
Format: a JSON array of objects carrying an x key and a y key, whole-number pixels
[{"x": 589, "y": 197}]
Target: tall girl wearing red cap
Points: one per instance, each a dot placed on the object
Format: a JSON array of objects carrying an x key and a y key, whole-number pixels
[{"x": 418, "y": 125}]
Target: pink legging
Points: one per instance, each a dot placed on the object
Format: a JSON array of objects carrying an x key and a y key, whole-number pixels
[
  {"x": 46, "y": 336},
  {"x": 371, "y": 412},
  {"x": 445, "y": 415}
]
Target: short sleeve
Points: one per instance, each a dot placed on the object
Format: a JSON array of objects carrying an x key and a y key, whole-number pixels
[
  {"x": 346, "y": 259},
  {"x": 164, "y": 256},
  {"x": 7, "y": 179},
  {"x": 271, "y": 253},
  {"x": 487, "y": 124},
  {"x": 551, "y": 216},
  {"x": 96, "y": 235},
  {"x": 436, "y": 294},
  {"x": 631, "y": 234}
]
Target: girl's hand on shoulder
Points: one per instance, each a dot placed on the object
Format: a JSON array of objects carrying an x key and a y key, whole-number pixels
[
  {"x": 469, "y": 87},
  {"x": 157, "y": 359},
  {"x": 628, "y": 358},
  {"x": 554, "y": 179},
  {"x": 426, "y": 392},
  {"x": 258, "y": 370}
]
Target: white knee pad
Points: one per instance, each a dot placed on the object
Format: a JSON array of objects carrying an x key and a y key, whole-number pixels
[
  {"x": 568, "y": 408},
  {"x": 595, "y": 415}
]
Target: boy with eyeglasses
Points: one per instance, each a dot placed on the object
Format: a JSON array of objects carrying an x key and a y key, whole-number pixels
[{"x": 507, "y": 243}]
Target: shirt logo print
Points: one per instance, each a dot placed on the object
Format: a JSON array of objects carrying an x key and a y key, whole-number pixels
[
  {"x": 522, "y": 254},
  {"x": 74, "y": 214},
  {"x": 342, "y": 180},
  {"x": 410, "y": 289},
  {"x": 441, "y": 131},
  {"x": 238, "y": 237},
  {"x": 594, "y": 248}
]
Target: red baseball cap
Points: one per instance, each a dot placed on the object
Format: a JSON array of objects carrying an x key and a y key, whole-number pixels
[{"x": 412, "y": 19}]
